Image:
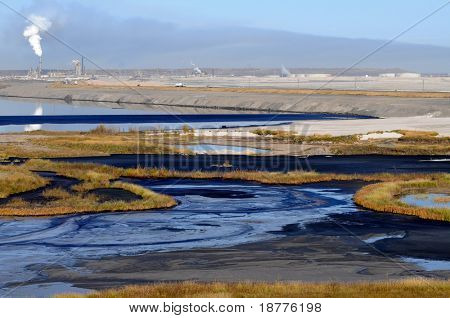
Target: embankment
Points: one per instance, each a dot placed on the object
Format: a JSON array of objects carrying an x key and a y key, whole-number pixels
[{"x": 252, "y": 100}]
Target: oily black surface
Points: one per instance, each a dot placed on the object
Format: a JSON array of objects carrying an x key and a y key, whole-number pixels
[{"x": 324, "y": 164}]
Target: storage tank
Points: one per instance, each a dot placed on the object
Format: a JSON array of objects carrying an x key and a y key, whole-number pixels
[{"x": 408, "y": 75}]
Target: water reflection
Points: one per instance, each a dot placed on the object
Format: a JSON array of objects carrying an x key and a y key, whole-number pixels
[
  {"x": 221, "y": 149},
  {"x": 39, "y": 111},
  {"x": 26, "y": 108}
]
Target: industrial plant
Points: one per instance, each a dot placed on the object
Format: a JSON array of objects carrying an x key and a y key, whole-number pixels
[{"x": 283, "y": 77}]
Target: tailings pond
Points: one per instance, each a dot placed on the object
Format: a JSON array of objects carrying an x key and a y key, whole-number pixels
[
  {"x": 211, "y": 214},
  {"x": 19, "y": 115}
]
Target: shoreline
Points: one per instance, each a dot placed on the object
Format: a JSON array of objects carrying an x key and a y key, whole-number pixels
[{"x": 146, "y": 103}]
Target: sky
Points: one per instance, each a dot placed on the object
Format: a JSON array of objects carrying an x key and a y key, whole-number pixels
[
  {"x": 380, "y": 19},
  {"x": 351, "y": 19},
  {"x": 373, "y": 19}
]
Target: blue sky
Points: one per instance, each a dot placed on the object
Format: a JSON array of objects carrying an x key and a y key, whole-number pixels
[
  {"x": 232, "y": 33},
  {"x": 381, "y": 19}
]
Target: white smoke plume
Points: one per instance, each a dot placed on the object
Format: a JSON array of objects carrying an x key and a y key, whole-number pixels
[{"x": 32, "y": 32}]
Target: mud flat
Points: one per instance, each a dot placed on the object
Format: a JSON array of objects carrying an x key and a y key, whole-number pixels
[
  {"x": 377, "y": 106},
  {"x": 329, "y": 250}
]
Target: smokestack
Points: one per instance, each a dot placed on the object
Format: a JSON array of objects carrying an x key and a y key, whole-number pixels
[
  {"x": 40, "y": 67},
  {"x": 77, "y": 65}
]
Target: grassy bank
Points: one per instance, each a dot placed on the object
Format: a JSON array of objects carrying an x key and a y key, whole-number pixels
[
  {"x": 385, "y": 197},
  {"x": 106, "y": 144},
  {"x": 61, "y": 202},
  {"x": 94, "y": 175},
  {"x": 80, "y": 198},
  {"x": 264, "y": 177},
  {"x": 15, "y": 180},
  {"x": 411, "y": 288}
]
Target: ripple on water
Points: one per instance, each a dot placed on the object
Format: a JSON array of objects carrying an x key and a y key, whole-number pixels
[{"x": 200, "y": 220}]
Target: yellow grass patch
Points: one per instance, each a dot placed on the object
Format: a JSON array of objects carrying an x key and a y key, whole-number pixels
[
  {"x": 417, "y": 133},
  {"x": 409, "y": 288},
  {"x": 443, "y": 199},
  {"x": 80, "y": 200},
  {"x": 56, "y": 193}
]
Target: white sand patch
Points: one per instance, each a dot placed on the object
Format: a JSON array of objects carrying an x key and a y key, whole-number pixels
[
  {"x": 436, "y": 160},
  {"x": 366, "y": 126},
  {"x": 384, "y": 135},
  {"x": 223, "y": 133},
  {"x": 345, "y": 127}
]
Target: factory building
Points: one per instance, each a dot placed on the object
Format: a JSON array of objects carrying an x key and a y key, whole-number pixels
[{"x": 390, "y": 75}]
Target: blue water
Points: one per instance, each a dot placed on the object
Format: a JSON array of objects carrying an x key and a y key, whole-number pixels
[
  {"x": 429, "y": 265},
  {"x": 220, "y": 149},
  {"x": 426, "y": 200}
]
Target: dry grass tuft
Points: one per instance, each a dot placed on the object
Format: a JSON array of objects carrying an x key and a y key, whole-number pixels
[
  {"x": 409, "y": 288},
  {"x": 56, "y": 193},
  {"x": 103, "y": 130},
  {"x": 424, "y": 137}
]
